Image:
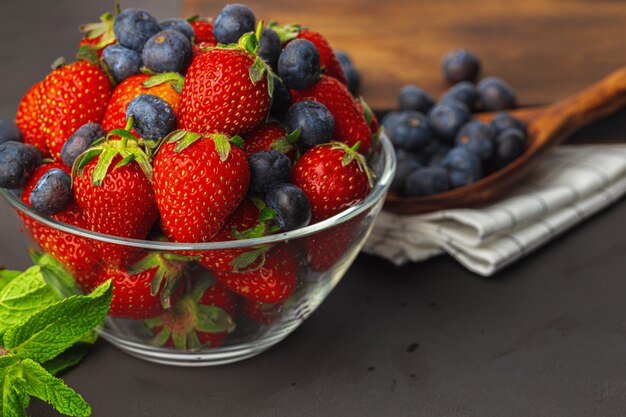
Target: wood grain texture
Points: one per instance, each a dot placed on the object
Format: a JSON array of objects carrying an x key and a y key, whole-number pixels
[{"x": 546, "y": 49}]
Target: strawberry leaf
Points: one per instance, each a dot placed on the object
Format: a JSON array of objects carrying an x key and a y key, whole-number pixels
[
  {"x": 188, "y": 139},
  {"x": 83, "y": 160},
  {"x": 286, "y": 32},
  {"x": 102, "y": 167},
  {"x": 243, "y": 262},
  {"x": 237, "y": 140},
  {"x": 175, "y": 79},
  {"x": 127, "y": 160},
  {"x": 222, "y": 145},
  {"x": 213, "y": 319}
]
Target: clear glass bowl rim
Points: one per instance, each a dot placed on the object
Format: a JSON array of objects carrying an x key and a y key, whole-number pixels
[{"x": 382, "y": 184}]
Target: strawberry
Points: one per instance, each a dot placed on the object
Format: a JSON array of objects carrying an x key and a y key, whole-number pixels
[
  {"x": 351, "y": 127},
  {"x": 370, "y": 116},
  {"x": 227, "y": 90},
  {"x": 71, "y": 96},
  {"x": 28, "y": 122},
  {"x": 146, "y": 289},
  {"x": 75, "y": 252},
  {"x": 333, "y": 177},
  {"x": 166, "y": 86},
  {"x": 328, "y": 61},
  {"x": 98, "y": 35},
  {"x": 203, "y": 317},
  {"x": 261, "y": 312},
  {"x": 113, "y": 186},
  {"x": 325, "y": 248},
  {"x": 203, "y": 28},
  {"x": 270, "y": 278},
  {"x": 270, "y": 136},
  {"x": 199, "y": 181}
]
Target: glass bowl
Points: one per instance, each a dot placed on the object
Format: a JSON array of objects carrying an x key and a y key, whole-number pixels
[{"x": 216, "y": 317}]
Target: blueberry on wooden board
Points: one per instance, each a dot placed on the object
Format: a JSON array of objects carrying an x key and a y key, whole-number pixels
[
  {"x": 412, "y": 97},
  {"x": 477, "y": 137},
  {"x": 464, "y": 91},
  {"x": 426, "y": 181},
  {"x": 411, "y": 131},
  {"x": 464, "y": 167},
  {"x": 460, "y": 65},
  {"x": 447, "y": 117},
  {"x": 495, "y": 94}
]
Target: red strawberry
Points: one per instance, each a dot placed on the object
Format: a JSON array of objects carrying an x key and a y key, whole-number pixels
[
  {"x": 28, "y": 122},
  {"x": 203, "y": 317},
  {"x": 98, "y": 35},
  {"x": 350, "y": 124},
  {"x": 226, "y": 90},
  {"x": 370, "y": 116},
  {"x": 146, "y": 289},
  {"x": 70, "y": 97},
  {"x": 270, "y": 136},
  {"x": 199, "y": 181},
  {"x": 261, "y": 312},
  {"x": 203, "y": 28},
  {"x": 271, "y": 278},
  {"x": 333, "y": 177},
  {"x": 166, "y": 86},
  {"x": 326, "y": 248},
  {"x": 76, "y": 253},
  {"x": 113, "y": 186}
]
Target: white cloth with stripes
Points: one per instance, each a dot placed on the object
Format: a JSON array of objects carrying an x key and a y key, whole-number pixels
[{"x": 572, "y": 184}]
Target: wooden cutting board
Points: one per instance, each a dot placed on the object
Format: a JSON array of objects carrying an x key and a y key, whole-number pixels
[{"x": 546, "y": 49}]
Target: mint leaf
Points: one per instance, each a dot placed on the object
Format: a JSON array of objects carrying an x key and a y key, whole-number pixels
[
  {"x": 49, "y": 332},
  {"x": 39, "y": 383},
  {"x": 14, "y": 398},
  {"x": 55, "y": 275},
  {"x": 71, "y": 357},
  {"x": 7, "y": 276},
  {"x": 23, "y": 297}
]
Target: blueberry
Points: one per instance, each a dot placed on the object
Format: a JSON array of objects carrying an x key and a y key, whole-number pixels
[
  {"x": 495, "y": 94},
  {"x": 352, "y": 74},
  {"x": 233, "y": 21},
  {"x": 299, "y": 64},
  {"x": 281, "y": 99},
  {"x": 460, "y": 65},
  {"x": 154, "y": 117},
  {"x": 391, "y": 119},
  {"x": 504, "y": 120},
  {"x": 268, "y": 168},
  {"x": 180, "y": 25},
  {"x": 465, "y": 92},
  {"x": 314, "y": 120},
  {"x": 9, "y": 132},
  {"x": 292, "y": 207},
  {"x": 121, "y": 62},
  {"x": 167, "y": 51},
  {"x": 410, "y": 131},
  {"x": 134, "y": 27},
  {"x": 344, "y": 59},
  {"x": 414, "y": 98},
  {"x": 463, "y": 166},
  {"x": 80, "y": 141},
  {"x": 435, "y": 152},
  {"x": 510, "y": 144},
  {"x": 447, "y": 117},
  {"x": 52, "y": 193},
  {"x": 270, "y": 46},
  {"x": 426, "y": 181},
  {"x": 36, "y": 153},
  {"x": 17, "y": 163},
  {"x": 403, "y": 169},
  {"x": 477, "y": 137}
]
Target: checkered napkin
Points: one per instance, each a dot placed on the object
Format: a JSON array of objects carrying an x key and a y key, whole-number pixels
[{"x": 572, "y": 184}]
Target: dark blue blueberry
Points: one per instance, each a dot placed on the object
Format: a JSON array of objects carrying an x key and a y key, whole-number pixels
[
  {"x": 52, "y": 193},
  {"x": 410, "y": 131},
  {"x": 268, "y": 168},
  {"x": 299, "y": 64},
  {"x": 121, "y": 62},
  {"x": 80, "y": 141},
  {"x": 414, "y": 98},
  {"x": 510, "y": 144},
  {"x": 447, "y": 117},
  {"x": 435, "y": 152},
  {"x": 233, "y": 21},
  {"x": 463, "y": 166},
  {"x": 478, "y": 137},
  {"x": 403, "y": 169},
  {"x": 134, "y": 27},
  {"x": 167, "y": 51},
  {"x": 504, "y": 120},
  {"x": 180, "y": 25},
  {"x": 426, "y": 181},
  {"x": 352, "y": 74},
  {"x": 154, "y": 117},
  {"x": 391, "y": 119},
  {"x": 465, "y": 92},
  {"x": 9, "y": 131},
  {"x": 293, "y": 210},
  {"x": 17, "y": 163},
  {"x": 460, "y": 65},
  {"x": 281, "y": 99},
  {"x": 314, "y": 120},
  {"x": 36, "y": 153},
  {"x": 344, "y": 59},
  {"x": 495, "y": 94},
  {"x": 270, "y": 46}
]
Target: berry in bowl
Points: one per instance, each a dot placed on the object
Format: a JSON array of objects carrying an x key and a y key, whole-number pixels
[{"x": 224, "y": 185}]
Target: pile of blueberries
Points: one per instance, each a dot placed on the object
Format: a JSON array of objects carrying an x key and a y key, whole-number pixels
[{"x": 438, "y": 145}]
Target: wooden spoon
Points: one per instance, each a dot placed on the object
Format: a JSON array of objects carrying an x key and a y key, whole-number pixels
[{"x": 547, "y": 127}]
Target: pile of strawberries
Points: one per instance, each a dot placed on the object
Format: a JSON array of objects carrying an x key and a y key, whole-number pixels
[{"x": 193, "y": 183}]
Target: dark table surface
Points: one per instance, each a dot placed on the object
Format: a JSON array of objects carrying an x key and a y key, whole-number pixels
[{"x": 546, "y": 337}]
